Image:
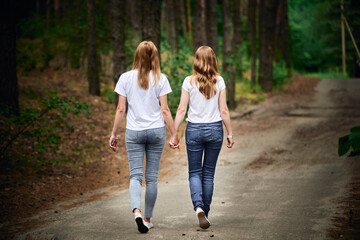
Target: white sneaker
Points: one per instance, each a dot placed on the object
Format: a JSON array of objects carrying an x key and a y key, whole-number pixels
[
  {"x": 203, "y": 221},
  {"x": 148, "y": 224},
  {"x": 140, "y": 223}
]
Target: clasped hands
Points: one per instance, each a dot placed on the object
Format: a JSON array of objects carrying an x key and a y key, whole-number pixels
[{"x": 174, "y": 142}]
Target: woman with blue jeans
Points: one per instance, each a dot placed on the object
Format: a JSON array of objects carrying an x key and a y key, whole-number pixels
[
  {"x": 145, "y": 89},
  {"x": 205, "y": 93}
]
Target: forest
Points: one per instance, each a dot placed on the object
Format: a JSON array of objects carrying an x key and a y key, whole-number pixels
[
  {"x": 257, "y": 42},
  {"x": 260, "y": 45},
  {"x": 61, "y": 60}
]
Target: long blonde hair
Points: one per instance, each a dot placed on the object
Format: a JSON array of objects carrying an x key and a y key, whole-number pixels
[
  {"x": 147, "y": 59},
  {"x": 205, "y": 71}
]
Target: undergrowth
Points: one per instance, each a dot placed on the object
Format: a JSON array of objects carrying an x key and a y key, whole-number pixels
[{"x": 44, "y": 127}]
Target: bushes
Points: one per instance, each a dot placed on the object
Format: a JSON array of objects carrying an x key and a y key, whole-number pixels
[
  {"x": 280, "y": 74},
  {"x": 29, "y": 55},
  {"x": 176, "y": 66},
  {"x": 44, "y": 124}
]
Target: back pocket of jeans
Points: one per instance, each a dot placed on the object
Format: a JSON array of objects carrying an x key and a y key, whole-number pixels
[
  {"x": 131, "y": 135},
  {"x": 217, "y": 135},
  {"x": 192, "y": 136},
  {"x": 159, "y": 133}
]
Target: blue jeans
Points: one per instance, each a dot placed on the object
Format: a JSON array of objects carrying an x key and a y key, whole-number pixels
[
  {"x": 202, "y": 138},
  {"x": 138, "y": 143}
]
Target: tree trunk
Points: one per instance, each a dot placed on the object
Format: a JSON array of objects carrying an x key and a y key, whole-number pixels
[
  {"x": 237, "y": 37},
  {"x": 134, "y": 17},
  {"x": 163, "y": 16},
  {"x": 211, "y": 24},
  {"x": 228, "y": 67},
  {"x": 237, "y": 23},
  {"x": 199, "y": 24},
  {"x": 118, "y": 35},
  {"x": 249, "y": 5},
  {"x": 252, "y": 6},
  {"x": 48, "y": 7},
  {"x": 180, "y": 5},
  {"x": 286, "y": 36},
  {"x": 38, "y": 7},
  {"x": 171, "y": 23},
  {"x": 93, "y": 58},
  {"x": 46, "y": 37},
  {"x": 151, "y": 21},
  {"x": 8, "y": 79},
  {"x": 267, "y": 19},
  {"x": 281, "y": 42},
  {"x": 188, "y": 14},
  {"x": 56, "y": 11}
]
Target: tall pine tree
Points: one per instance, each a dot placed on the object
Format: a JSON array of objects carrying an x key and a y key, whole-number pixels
[
  {"x": 8, "y": 79},
  {"x": 151, "y": 22},
  {"x": 93, "y": 57},
  {"x": 267, "y": 17},
  {"x": 118, "y": 35}
]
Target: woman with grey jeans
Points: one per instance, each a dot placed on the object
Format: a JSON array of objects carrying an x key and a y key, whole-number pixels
[{"x": 145, "y": 89}]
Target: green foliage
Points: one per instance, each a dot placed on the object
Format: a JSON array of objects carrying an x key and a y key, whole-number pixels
[
  {"x": 176, "y": 66},
  {"x": 68, "y": 41},
  {"x": 108, "y": 93},
  {"x": 250, "y": 94},
  {"x": 315, "y": 38},
  {"x": 306, "y": 49},
  {"x": 44, "y": 124},
  {"x": 28, "y": 55},
  {"x": 351, "y": 140},
  {"x": 65, "y": 38},
  {"x": 280, "y": 74}
]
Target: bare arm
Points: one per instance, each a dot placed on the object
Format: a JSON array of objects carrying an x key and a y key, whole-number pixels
[
  {"x": 180, "y": 114},
  {"x": 168, "y": 118},
  {"x": 225, "y": 116},
  {"x": 120, "y": 111}
]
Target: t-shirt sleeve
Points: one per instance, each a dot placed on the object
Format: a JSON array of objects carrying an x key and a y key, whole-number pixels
[
  {"x": 165, "y": 89},
  {"x": 222, "y": 85},
  {"x": 186, "y": 85},
  {"x": 120, "y": 86}
]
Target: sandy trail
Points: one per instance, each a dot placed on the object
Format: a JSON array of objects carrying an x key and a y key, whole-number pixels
[{"x": 280, "y": 181}]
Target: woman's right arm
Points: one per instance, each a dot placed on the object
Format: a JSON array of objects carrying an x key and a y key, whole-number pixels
[
  {"x": 225, "y": 116},
  {"x": 180, "y": 113},
  {"x": 120, "y": 111}
]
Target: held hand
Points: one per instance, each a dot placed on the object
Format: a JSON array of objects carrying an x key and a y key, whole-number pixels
[
  {"x": 174, "y": 142},
  {"x": 230, "y": 142},
  {"x": 113, "y": 141}
]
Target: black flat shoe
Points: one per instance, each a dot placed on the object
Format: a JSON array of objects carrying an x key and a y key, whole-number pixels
[{"x": 140, "y": 224}]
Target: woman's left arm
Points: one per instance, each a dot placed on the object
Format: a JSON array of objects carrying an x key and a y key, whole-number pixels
[
  {"x": 168, "y": 119},
  {"x": 120, "y": 111}
]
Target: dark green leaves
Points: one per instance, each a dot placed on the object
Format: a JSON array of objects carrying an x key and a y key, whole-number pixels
[
  {"x": 344, "y": 145},
  {"x": 352, "y": 140}
]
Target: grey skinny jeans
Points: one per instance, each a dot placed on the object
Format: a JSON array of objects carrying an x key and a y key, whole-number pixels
[{"x": 151, "y": 142}]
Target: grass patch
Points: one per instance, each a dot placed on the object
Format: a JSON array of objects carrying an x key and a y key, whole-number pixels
[{"x": 247, "y": 94}]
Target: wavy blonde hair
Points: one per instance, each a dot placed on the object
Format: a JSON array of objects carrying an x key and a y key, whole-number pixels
[
  {"x": 205, "y": 71},
  {"x": 147, "y": 59}
]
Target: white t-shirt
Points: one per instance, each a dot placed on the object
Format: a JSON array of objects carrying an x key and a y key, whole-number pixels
[
  {"x": 202, "y": 110},
  {"x": 144, "y": 110}
]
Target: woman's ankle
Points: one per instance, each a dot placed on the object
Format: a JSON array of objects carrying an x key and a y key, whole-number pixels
[
  {"x": 136, "y": 211},
  {"x": 147, "y": 220}
]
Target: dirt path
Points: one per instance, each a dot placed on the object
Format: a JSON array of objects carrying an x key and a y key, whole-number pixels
[{"x": 283, "y": 179}]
